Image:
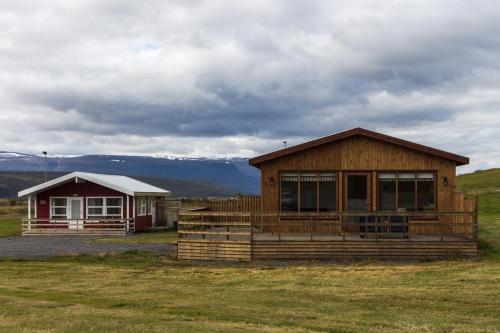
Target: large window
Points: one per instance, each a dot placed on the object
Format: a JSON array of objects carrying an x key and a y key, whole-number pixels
[
  {"x": 59, "y": 208},
  {"x": 425, "y": 191},
  {"x": 104, "y": 207},
  {"x": 327, "y": 192},
  {"x": 308, "y": 192},
  {"x": 406, "y": 192},
  {"x": 387, "y": 192},
  {"x": 289, "y": 192}
]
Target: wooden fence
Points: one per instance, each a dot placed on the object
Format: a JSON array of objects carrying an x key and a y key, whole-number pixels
[{"x": 244, "y": 203}]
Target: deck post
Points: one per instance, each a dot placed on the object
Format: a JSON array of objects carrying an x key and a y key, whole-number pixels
[
  {"x": 128, "y": 206},
  {"x": 29, "y": 207}
]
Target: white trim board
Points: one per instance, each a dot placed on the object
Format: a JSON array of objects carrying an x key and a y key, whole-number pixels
[{"x": 121, "y": 184}]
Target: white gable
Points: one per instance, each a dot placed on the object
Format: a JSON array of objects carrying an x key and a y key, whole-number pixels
[{"x": 121, "y": 184}]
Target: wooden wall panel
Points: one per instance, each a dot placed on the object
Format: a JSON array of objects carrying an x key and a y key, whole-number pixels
[{"x": 358, "y": 153}]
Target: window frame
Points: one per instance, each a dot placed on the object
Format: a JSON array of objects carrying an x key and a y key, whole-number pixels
[
  {"x": 104, "y": 207},
  {"x": 150, "y": 206},
  {"x": 318, "y": 177},
  {"x": 415, "y": 172},
  {"x": 142, "y": 203},
  {"x": 59, "y": 216}
]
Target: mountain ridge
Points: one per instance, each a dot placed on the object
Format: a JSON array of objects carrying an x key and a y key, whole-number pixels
[{"x": 233, "y": 173}]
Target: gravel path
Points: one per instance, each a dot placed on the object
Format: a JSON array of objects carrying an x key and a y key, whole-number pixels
[{"x": 29, "y": 247}]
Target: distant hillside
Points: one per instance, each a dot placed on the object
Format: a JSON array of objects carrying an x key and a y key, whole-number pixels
[
  {"x": 12, "y": 182},
  {"x": 480, "y": 181},
  {"x": 234, "y": 173}
]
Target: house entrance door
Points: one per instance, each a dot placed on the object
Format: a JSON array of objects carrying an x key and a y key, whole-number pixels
[
  {"x": 75, "y": 213},
  {"x": 357, "y": 199}
]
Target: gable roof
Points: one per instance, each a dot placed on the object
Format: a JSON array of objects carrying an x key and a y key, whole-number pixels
[
  {"x": 256, "y": 161},
  {"x": 121, "y": 184}
]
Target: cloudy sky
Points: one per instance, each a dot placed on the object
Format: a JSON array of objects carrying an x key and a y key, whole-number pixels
[{"x": 236, "y": 78}]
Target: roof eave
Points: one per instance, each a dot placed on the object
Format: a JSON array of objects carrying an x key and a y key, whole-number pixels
[
  {"x": 152, "y": 194},
  {"x": 257, "y": 161}
]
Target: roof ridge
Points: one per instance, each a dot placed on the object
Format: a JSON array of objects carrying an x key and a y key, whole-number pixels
[{"x": 256, "y": 161}]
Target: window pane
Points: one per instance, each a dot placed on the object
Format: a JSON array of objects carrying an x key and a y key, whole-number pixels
[
  {"x": 308, "y": 192},
  {"x": 59, "y": 211},
  {"x": 113, "y": 211},
  {"x": 387, "y": 192},
  {"x": 327, "y": 192},
  {"x": 59, "y": 202},
  {"x": 289, "y": 193},
  {"x": 425, "y": 194},
  {"x": 113, "y": 201},
  {"x": 95, "y": 211},
  {"x": 406, "y": 192},
  {"x": 99, "y": 202}
]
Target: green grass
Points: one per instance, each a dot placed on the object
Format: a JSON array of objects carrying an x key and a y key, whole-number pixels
[
  {"x": 159, "y": 237},
  {"x": 145, "y": 293},
  {"x": 10, "y": 227},
  {"x": 486, "y": 185},
  {"x": 140, "y": 292},
  {"x": 480, "y": 181}
]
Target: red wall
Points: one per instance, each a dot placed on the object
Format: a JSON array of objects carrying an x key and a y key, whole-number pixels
[{"x": 84, "y": 190}]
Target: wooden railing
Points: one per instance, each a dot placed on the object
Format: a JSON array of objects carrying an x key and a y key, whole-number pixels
[
  {"x": 243, "y": 203},
  {"x": 215, "y": 225},
  {"x": 70, "y": 226},
  {"x": 369, "y": 225}
]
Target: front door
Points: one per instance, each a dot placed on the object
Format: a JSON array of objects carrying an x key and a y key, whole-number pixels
[
  {"x": 358, "y": 192},
  {"x": 75, "y": 213},
  {"x": 357, "y": 200}
]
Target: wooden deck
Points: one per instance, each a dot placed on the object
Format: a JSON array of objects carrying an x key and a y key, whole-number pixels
[
  {"x": 253, "y": 236},
  {"x": 32, "y": 227}
]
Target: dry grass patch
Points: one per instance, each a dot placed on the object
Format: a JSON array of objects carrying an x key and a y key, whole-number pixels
[{"x": 145, "y": 293}]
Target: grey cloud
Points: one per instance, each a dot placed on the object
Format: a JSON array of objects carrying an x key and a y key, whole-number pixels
[{"x": 245, "y": 75}]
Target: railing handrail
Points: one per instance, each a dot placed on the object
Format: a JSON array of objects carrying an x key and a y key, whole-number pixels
[
  {"x": 330, "y": 214},
  {"x": 81, "y": 225}
]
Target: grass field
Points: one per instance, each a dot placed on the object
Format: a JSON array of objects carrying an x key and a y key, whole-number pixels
[
  {"x": 140, "y": 292},
  {"x": 158, "y": 237},
  {"x": 10, "y": 226},
  {"x": 145, "y": 293}
]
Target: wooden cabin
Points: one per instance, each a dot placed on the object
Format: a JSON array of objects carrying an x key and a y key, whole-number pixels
[
  {"x": 356, "y": 193},
  {"x": 90, "y": 203}
]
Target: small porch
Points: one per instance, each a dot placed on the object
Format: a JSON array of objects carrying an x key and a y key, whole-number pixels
[{"x": 118, "y": 226}]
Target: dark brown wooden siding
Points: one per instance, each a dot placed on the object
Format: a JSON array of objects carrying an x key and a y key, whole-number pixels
[{"x": 358, "y": 153}]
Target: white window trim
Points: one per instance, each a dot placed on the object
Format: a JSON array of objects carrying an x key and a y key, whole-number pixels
[
  {"x": 68, "y": 208},
  {"x": 150, "y": 206},
  {"x": 142, "y": 203},
  {"x": 51, "y": 207},
  {"x": 104, "y": 207}
]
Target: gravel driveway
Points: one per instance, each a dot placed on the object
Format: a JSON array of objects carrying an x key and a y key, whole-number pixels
[{"x": 29, "y": 247}]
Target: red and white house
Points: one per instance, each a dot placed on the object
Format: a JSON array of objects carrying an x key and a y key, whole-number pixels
[{"x": 83, "y": 202}]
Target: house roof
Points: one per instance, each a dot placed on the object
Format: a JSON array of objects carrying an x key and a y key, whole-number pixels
[
  {"x": 121, "y": 184},
  {"x": 256, "y": 161}
]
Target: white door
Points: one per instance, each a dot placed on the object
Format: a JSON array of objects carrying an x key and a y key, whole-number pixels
[{"x": 75, "y": 213}]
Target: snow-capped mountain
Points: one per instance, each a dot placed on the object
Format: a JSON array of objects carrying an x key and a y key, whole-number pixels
[{"x": 234, "y": 173}]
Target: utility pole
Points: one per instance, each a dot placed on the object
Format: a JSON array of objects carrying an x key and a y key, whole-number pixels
[
  {"x": 45, "y": 163},
  {"x": 284, "y": 142}
]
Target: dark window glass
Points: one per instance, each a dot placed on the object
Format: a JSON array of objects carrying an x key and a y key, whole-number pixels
[
  {"x": 387, "y": 192},
  {"x": 357, "y": 193},
  {"x": 114, "y": 202},
  {"x": 425, "y": 192},
  {"x": 289, "y": 192},
  {"x": 60, "y": 202},
  {"x": 327, "y": 192},
  {"x": 308, "y": 192},
  {"x": 406, "y": 192},
  {"x": 95, "y": 202}
]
